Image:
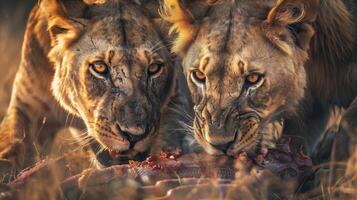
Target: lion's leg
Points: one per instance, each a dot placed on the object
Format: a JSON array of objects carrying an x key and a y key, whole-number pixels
[
  {"x": 348, "y": 131},
  {"x": 306, "y": 126},
  {"x": 339, "y": 140},
  {"x": 349, "y": 120},
  {"x": 29, "y": 109},
  {"x": 330, "y": 141}
]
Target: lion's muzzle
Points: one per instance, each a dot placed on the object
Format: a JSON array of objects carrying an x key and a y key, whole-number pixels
[
  {"x": 217, "y": 128},
  {"x": 228, "y": 131}
]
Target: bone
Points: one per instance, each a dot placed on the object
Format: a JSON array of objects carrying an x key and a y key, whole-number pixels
[{"x": 172, "y": 175}]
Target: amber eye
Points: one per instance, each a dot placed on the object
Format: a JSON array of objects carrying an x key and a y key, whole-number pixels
[
  {"x": 198, "y": 76},
  {"x": 99, "y": 67},
  {"x": 253, "y": 79},
  {"x": 155, "y": 68}
]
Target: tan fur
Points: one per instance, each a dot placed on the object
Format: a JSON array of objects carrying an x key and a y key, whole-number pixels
[
  {"x": 55, "y": 86},
  {"x": 181, "y": 19},
  {"x": 318, "y": 37}
]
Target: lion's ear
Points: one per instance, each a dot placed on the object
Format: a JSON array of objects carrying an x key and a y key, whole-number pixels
[
  {"x": 182, "y": 22},
  {"x": 289, "y": 23},
  {"x": 294, "y": 11},
  {"x": 64, "y": 18}
]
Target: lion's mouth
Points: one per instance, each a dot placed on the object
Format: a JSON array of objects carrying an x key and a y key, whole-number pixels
[
  {"x": 130, "y": 147},
  {"x": 110, "y": 157},
  {"x": 230, "y": 148}
]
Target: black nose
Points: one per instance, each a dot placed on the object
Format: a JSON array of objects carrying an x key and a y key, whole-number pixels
[{"x": 222, "y": 147}]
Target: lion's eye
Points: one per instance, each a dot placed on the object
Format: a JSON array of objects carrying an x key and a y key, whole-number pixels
[
  {"x": 99, "y": 67},
  {"x": 198, "y": 76},
  {"x": 155, "y": 68},
  {"x": 253, "y": 79}
]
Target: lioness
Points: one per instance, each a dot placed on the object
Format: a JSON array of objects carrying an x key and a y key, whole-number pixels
[
  {"x": 251, "y": 63},
  {"x": 105, "y": 62}
]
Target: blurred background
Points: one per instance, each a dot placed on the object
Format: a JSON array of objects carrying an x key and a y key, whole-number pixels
[{"x": 13, "y": 17}]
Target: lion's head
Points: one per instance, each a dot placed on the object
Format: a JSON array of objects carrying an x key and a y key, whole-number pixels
[
  {"x": 111, "y": 69},
  {"x": 243, "y": 61}
]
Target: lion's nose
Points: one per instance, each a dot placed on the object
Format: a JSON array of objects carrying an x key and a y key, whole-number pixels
[
  {"x": 218, "y": 136},
  {"x": 133, "y": 118}
]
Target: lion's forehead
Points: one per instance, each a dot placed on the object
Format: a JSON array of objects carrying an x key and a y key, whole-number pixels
[
  {"x": 120, "y": 31},
  {"x": 230, "y": 34},
  {"x": 230, "y": 22},
  {"x": 122, "y": 24},
  {"x": 242, "y": 53},
  {"x": 100, "y": 47},
  {"x": 123, "y": 30}
]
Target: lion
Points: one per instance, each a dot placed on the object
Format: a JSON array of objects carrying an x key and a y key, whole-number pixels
[
  {"x": 103, "y": 62},
  {"x": 261, "y": 69}
]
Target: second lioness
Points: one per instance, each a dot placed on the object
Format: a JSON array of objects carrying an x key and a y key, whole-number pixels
[
  {"x": 250, "y": 63},
  {"x": 104, "y": 63}
]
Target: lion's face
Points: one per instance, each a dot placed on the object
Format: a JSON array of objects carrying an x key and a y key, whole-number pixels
[
  {"x": 117, "y": 76},
  {"x": 238, "y": 90},
  {"x": 243, "y": 70}
]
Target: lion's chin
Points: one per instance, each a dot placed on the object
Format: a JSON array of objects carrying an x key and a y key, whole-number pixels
[
  {"x": 116, "y": 151},
  {"x": 108, "y": 158}
]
